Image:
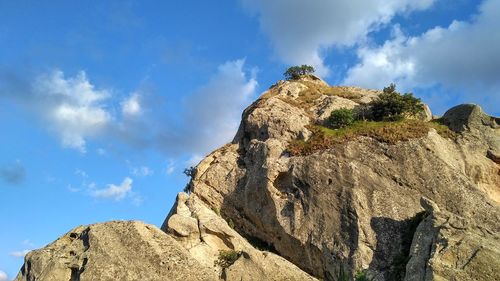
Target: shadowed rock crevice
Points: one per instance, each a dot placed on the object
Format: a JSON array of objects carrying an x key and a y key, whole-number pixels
[{"x": 394, "y": 239}]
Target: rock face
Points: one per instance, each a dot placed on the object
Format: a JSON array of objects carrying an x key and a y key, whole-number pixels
[
  {"x": 205, "y": 234},
  {"x": 421, "y": 209},
  {"x": 131, "y": 250},
  {"x": 116, "y": 250},
  {"x": 356, "y": 206},
  {"x": 448, "y": 246}
]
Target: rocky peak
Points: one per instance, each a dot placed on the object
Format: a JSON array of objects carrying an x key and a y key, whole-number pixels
[
  {"x": 422, "y": 206},
  {"x": 354, "y": 206}
]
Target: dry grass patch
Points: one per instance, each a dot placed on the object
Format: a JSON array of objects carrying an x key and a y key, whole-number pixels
[
  {"x": 343, "y": 92},
  {"x": 388, "y": 132},
  {"x": 314, "y": 91}
]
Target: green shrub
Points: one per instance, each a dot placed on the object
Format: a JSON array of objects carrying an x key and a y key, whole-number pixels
[
  {"x": 362, "y": 112},
  {"x": 362, "y": 276},
  {"x": 295, "y": 72},
  {"x": 340, "y": 118},
  {"x": 392, "y": 106},
  {"x": 227, "y": 258},
  {"x": 190, "y": 172}
]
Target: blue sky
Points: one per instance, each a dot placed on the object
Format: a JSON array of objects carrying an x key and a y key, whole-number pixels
[{"x": 104, "y": 104}]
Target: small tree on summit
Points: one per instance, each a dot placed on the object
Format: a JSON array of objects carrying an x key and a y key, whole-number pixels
[
  {"x": 392, "y": 106},
  {"x": 295, "y": 72}
]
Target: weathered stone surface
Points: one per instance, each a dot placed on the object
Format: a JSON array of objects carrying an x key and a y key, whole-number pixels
[
  {"x": 119, "y": 250},
  {"x": 493, "y": 155},
  {"x": 324, "y": 106},
  {"x": 427, "y": 113},
  {"x": 468, "y": 116},
  {"x": 355, "y": 206},
  {"x": 131, "y": 250},
  {"x": 274, "y": 118},
  {"x": 255, "y": 265},
  {"x": 213, "y": 234},
  {"x": 449, "y": 247}
]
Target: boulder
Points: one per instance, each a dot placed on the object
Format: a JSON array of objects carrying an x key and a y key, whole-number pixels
[
  {"x": 468, "y": 116},
  {"x": 117, "y": 250}
]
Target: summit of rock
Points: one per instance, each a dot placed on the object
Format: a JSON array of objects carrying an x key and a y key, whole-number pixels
[{"x": 354, "y": 206}]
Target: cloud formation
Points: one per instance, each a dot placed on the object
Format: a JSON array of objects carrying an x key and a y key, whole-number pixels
[
  {"x": 13, "y": 174},
  {"x": 76, "y": 111},
  {"x": 215, "y": 108},
  {"x": 115, "y": 192},
  {"x": 73, "y": 107},
  {"x": 3, "y": 276},
  {"x": 132, "y": 106},
  {"x": 301, "y": 31},
  {"x": 462, "y": 57},
  {"x": 212, "y": 113}
]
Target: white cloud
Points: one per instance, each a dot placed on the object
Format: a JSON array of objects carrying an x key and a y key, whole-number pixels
[
  {"x": 115, "y": 192},
  {"x": 300, "y": 30},
  {"x": 77, "y": 111},
  {"x": 463, "y": 57},
  {"x": 212, "y": 113},
  {"x": 214, "y": 110},
  {"x": 3, "y": 276},
  {"x": 19, "y": 254},
  {"x": 132, "y": 106},
  {"x": 101, "y": 151},
  {"x": 72, "y": 106},
  {"x": 143, "y": 171}
]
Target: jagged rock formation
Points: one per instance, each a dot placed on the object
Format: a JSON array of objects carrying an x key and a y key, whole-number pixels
[
  {"x": 356, "y": 205},
  {"x": 204, "y": 234},
  {"x": 131, "y": 250},
  {"x": 118, "y": 250},
  {"x": 426, "y": 208},
  {"x": 446, "y": 246}
]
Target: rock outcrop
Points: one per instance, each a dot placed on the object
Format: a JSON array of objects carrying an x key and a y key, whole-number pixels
[
  {"x": 118, "y": 250},
  {"x": 450, "y": 247},
  {"x": 205, "y": 234},
  {"x": 426, "y": 208},
  {"x": 132, "y": 250},
  {"x": 355, "y": 206}
]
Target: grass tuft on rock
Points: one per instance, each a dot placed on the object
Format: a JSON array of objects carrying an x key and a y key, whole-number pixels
[
  {"x": 227, "y": 258},
  {"x": 384, "y": 131}
]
